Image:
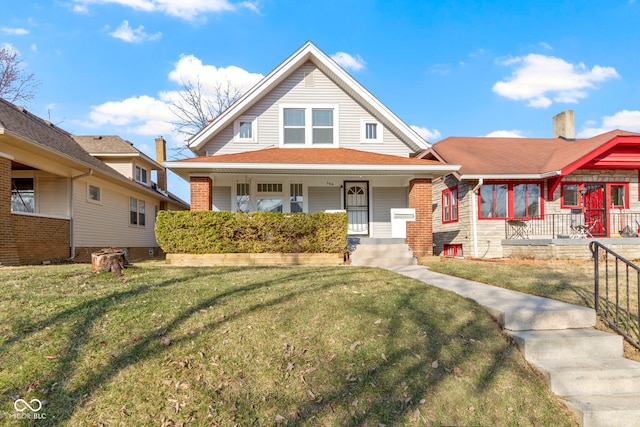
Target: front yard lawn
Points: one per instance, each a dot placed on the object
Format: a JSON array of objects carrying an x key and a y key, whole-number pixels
[{"x": 248, "y": 346}]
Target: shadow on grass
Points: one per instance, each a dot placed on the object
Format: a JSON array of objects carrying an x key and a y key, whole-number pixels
[{"x": 410, "y": 378}]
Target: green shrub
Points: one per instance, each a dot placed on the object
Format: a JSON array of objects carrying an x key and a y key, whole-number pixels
[{"x": 208, "y": 232}]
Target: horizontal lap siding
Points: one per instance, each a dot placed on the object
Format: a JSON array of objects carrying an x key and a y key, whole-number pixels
[
  {"x": 383, "y": 200},
  {"x": 222, "y": 198},
  {"x": 107, "y": 223},
  {"x": 324, "y": 198},
  {"x": 293, "y": 91}
]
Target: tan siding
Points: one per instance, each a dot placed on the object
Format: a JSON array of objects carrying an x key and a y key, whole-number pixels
[
  {"x": 52, "y": 194},
  {"x": 123, "y": 167},
  {"x": 293, "y": 91},
  {"x": 107, "y": 223}
]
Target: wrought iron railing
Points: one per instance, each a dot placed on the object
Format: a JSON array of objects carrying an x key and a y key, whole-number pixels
[
  {"x": 617, "y": 290},
  {"x": 553, "y": 226}
]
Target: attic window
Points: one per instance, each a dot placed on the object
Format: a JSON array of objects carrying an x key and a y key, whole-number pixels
[
  {"x": 245, "y": 129},
  {"x": 309, "y": 125},
  {"x": 370, "y": 132}
]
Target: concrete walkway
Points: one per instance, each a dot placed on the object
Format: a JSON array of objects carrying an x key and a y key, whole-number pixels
[{"x": 583, "y": 366}]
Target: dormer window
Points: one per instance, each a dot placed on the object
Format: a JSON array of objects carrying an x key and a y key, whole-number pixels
[
  {"x": 245, "y": 129},
  {"x": 141, "y": 175}
]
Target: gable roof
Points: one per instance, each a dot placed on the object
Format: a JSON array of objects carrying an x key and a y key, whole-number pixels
[
  {"x": 112, "y": 146},
  {"x": 325, "y": 161},
  {"x": 20, "y": 123},
  {"x": 309, "y": 52},
  {"x": 521, "y": 157},
  {"x": 59, "y": 144}
]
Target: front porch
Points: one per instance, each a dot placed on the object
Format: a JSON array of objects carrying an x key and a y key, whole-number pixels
[
  {"x": 574, "y": 225},
  {"x": 567, "y": 249}
]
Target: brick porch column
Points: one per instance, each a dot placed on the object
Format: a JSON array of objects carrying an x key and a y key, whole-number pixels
[
  {"x": 201, "y": 193},
  {"x": 420, "y": 232},
  {"x": 8, "y": 248}
]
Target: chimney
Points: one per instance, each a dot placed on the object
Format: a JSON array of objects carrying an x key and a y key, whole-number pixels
[
  {"x": 564, "y": 125},
  {"x": 161, "y": 157}
]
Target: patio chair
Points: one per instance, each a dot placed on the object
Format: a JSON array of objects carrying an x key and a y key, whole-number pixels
[{"x": 583, "y": 231}]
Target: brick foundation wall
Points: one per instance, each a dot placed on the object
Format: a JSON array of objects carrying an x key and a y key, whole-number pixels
[
  {"x": 40, "y": 239},
  {"x": 201, "y": 193},
  {"x": 420, "y": 232}
]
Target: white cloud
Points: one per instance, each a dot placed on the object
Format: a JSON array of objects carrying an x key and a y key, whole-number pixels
[
  {"x": 34, "y": 47},
  {"x": 14, "y": 31},
  {"x": 624, "y": 120},
  {"x": 505, "y": 134},
  {"x": 191, "y": 69},
  {"x": 542, "y": 80},
  {"x": 185, "y": 9},
  {"x": 427, "y": 134},
  {"x": 148, "y": 115},
  {"x": 349, "y": 62},
  {"x": 126, "y": 33}
]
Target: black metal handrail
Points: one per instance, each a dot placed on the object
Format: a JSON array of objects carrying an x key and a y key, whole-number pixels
[{"x": 617, "y": 303}]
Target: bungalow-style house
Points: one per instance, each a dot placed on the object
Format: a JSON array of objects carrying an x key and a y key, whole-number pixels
[
  {"x": 537, "y": 197},
  {"x": 58, "y": 202},
  {"x": 308, "y": 137}
]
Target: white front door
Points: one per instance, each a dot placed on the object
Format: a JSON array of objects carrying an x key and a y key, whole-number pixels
[{"x": 356, "y": 203}]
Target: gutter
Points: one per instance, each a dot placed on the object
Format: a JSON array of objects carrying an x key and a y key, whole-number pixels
[
  {"x": 474, "y": 216},
  {"x": 71, "y": 215}
]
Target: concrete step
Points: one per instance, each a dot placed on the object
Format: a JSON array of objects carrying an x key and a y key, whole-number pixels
[
  {"x": 383, "y": 262},
  {"x": 608, "y": 410},
  {"x": 567, "y": 344},
  {"x": 392, "y": 254},
  {"x": 569, "y": 377}
]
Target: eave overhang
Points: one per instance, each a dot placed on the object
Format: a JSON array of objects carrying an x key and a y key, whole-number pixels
[{"x": 187, "y": 169}]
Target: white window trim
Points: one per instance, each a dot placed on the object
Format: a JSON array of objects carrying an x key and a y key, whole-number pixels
[
  {"x": 135, "y": 170},
  {"x": 89, "y": 199},
  {"x": 308, "y": 125},
  {"x": 363, "y": 131},
  {"x": 254, "y": 129}
]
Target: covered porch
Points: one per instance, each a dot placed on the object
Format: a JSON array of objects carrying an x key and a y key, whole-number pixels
[{"x": 368, "y": 186}]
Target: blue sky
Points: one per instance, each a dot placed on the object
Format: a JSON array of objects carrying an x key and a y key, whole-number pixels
[{"x": 449, "y": 68}]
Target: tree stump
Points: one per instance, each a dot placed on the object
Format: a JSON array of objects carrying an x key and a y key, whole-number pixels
[{"x": 109, "y": 259}]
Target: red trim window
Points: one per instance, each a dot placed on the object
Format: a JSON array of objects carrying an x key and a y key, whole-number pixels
[
  {"x": 617, "y": 193},
  {"x": 450, "y": 205},
  {"x": 522, "y": 200},
  {"x": 452, "y": 250}
]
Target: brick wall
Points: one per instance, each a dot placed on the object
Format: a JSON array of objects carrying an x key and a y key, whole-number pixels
[
  {"x": 201, "y": 193},
  {"x": 420, "y": 232},
  {"x": 40, "y": 239},
  {"x": 8, "y": 251}
]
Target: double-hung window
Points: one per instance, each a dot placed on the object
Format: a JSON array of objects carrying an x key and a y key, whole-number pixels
[
  {"x": 309, "y": 125},
  {"x": 294, "y": 126},
  {"x": 141, "y": 175},
  {"x": 450, "y": 205},
  {"x": 243, "y": 199},
  {"x": 137, "y": 212},
  {"x": 295, "y": 198}
]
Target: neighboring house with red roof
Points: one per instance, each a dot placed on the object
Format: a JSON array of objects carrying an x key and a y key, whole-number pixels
[
  {"x": 59, "y": 202},
  {"x": 308, "y": 137},
  {"x": 512, "y": 195}
]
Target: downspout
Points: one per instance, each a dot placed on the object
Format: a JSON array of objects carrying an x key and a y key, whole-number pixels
[
  {"x": 474, "y": 216},
  {"x": 71, "y": 215}
]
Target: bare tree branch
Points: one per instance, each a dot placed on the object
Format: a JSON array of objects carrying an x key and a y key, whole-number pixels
[
  {"x": 16, "y": 85},
  {"x": 194, "y": 110}
]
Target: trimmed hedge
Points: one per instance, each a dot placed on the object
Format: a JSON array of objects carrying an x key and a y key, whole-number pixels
[{"x": 208, "y": 232}]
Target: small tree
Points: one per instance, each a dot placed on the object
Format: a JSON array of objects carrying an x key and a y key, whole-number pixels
[{"x": 16, "y": 85}]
